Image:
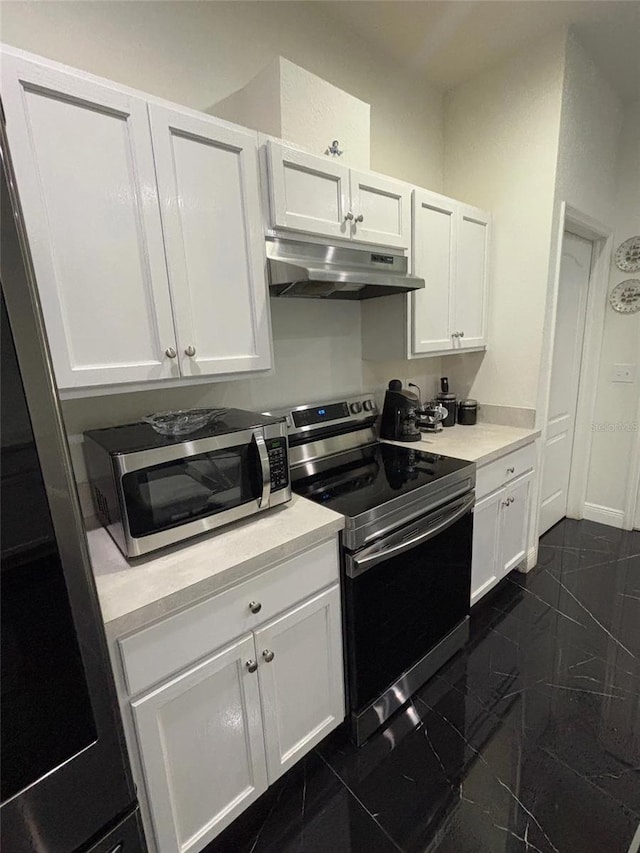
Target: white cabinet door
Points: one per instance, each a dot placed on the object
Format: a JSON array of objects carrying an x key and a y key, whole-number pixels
[
  {"x": 84, "y": 166},
  {"x": 514, "y": 523},
  {"x": 469, "y": 324},
  {"x": 202, "y": 748},
  {"x": 308, "y": 193},
  {"x": 434, "y": 233},
  {"x": 209, "y": 192},
  {"x": 301, "y": 679},
  {"x": 382, "y": 210},
  {"x": 485, "y": 568}
]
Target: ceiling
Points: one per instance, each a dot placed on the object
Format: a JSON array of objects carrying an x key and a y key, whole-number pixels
[{"x": 448, "y": 41}]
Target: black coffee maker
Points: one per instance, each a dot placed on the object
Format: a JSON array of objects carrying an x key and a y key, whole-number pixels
[{"x": 400, "y": 414}]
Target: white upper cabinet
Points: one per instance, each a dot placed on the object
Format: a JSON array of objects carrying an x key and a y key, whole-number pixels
[
  {"x": 85, "y": 174},
  {"x": 451, "y": 253},
  {"x": 434, "y": 231},
  {"x": 381, "y": 210},
  {"x": 308, "y": 193},
  {"x": 318, "y": 195},
  {"x": 472, "y": 272},
  {"x": 209, "y": 195}
]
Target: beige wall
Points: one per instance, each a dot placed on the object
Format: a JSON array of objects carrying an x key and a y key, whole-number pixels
[
  {"x": 198, "y": 53},
  {"x": 501, "y": 148},
  {"x": 610, "y": 466}
]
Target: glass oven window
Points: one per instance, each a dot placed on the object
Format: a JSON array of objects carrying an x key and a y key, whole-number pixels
[
  {"x": 402, "y": 607},
  {"x": 183, "y": 490}
]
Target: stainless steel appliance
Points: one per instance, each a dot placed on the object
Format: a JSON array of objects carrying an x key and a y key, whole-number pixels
[
  {"x": 400, "y": 414},
  {"x": 406, "y": 550},
  {"x": 66, "y": 783},
  {"x": 318, "y": 271},
  {"x": 153, "y": 490}
]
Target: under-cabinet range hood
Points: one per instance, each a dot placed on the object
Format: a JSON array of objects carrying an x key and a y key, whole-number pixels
[{"x": 319, "y": 271}]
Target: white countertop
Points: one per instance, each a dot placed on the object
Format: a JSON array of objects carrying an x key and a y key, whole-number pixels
[
  {"x": 132, "y": 595},
  {"x": 481, "y": 443}
]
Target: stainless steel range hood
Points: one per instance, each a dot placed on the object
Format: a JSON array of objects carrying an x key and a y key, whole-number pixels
[{"x": 319, "y": 271}]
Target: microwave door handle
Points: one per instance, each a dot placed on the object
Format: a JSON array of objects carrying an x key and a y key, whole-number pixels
[
  {"x": 265, "y": 469},
  {"x": 362, "y": 564}
]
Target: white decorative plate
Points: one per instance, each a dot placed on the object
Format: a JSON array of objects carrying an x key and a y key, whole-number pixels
[
  {"x": 628, "y": 255},
  {"x": 625, "y": 297}
]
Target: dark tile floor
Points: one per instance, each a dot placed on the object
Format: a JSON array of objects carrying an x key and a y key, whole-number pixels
[{"x": 528, "y": 740}]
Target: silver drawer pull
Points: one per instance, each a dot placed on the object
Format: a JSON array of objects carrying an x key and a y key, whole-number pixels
[
  {"x": 511, "y": 470},
  {"x": 251, "y": 665},
  {"x": 255, "y": 606},
  {"x": 190, "y": 351},
  {"x": 268, "y": 655},
  {"x": 170, "y": 352}
]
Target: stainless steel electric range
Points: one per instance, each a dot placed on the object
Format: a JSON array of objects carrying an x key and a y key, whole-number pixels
[{"x": 406, "y": 550}]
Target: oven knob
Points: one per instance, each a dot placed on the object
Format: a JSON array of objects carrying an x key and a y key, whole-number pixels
[
  {"x": 368, "y": 405},
  {"x": 356, "y": 408}
]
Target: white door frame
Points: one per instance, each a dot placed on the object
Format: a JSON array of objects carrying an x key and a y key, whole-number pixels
[{"x": 573, "y": 220}]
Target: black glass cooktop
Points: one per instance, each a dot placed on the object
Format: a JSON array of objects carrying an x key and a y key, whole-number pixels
[{"x": 367, "y": 478}]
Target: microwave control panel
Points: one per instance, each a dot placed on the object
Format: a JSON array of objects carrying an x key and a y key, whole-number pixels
[{"x": 278, "y": 463}]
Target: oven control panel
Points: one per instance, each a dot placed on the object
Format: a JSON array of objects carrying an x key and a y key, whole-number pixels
[
  {"x": 352, "y": 410},
  {"x": 278, "y": 463}
]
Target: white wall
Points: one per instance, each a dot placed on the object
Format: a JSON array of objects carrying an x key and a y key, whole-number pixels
[
  {"x": 199, "y": 53},
  {"x": 501, "y": 148},
  {"x": 618, "y": 404}
]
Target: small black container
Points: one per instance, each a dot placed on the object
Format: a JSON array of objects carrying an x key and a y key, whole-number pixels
[
  {"x": 449, "y": 401},
  {"x": 468, "y": 412}
]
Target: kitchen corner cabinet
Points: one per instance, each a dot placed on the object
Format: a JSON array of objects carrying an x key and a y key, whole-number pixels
[
  {"x": 225, "y": 696},
  {"x": 501, "y": 519},
  {"x": 131, "y": 293},
  {"x": 321, "y": 196},
  {"x": 451, "y": 253}
]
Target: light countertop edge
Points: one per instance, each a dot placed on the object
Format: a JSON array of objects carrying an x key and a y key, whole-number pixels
[
  {"x": 134, "y": 595},
  {"x": 482, "y": 443}
]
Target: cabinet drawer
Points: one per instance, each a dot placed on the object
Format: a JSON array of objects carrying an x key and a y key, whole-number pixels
[
  {"x": 157, "y": 652},
  {"x": 494, "y": 475}
]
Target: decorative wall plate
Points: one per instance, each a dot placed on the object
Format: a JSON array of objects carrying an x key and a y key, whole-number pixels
[
  {"x": 628, "y": 255},
  {"x": 625, "y": 297}
]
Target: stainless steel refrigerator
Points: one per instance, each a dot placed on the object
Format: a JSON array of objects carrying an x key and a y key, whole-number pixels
[{"x": 66, "y": 783}]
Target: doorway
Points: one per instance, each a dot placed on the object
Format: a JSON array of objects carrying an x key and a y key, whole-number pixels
[{"x": 571, "y": 315}]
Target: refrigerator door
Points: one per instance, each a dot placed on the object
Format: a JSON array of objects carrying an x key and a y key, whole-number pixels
[{"x": 65, "y": 774}]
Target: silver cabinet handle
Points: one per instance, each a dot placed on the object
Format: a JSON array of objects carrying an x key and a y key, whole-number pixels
[
  {"x": 268, "y": 655},
  {"x": 349, "y": 216},
  {"x": 512, "y": 500},
  {"x": 190, "y": 351},
  {"x": 455, "y": 334},
  {"x": 508, "y": 501},
  {"x": 511, "y": 470},
  {"x": 170, "y": 352},
  {"x": 255, "y": 606},
  {"x": 251, "y": 665},
  {"x": 461, "y": 334},
  {"x": 359, "y": 218}
]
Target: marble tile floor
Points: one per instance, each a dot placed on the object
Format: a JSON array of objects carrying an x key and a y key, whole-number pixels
[{"x": 528, "y": 740}]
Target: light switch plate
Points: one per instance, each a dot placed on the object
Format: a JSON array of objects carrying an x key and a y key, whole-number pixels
[{"x": 624, "y": 373}]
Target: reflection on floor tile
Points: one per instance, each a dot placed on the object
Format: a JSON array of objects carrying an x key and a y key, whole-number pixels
[{"x": 528, "y": 740}]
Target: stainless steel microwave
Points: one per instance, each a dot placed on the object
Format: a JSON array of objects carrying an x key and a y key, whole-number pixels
[{"x": 152, "y": 490}]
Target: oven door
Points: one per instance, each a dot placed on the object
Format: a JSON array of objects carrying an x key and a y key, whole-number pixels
[
  {"x": 404, "y": 594},
  {"x": 179, "y": 491}
]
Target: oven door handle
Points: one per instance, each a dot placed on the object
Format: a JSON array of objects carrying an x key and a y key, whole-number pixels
[
  {"x": 357, "y": 565},
  {"x": 265, "y": 469}
]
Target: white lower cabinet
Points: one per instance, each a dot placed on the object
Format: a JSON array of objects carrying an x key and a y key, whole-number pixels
[
  {"x": 301, "y": 681},
  {"x": 486, "y": 531},
  {"x": 211, "y": 737},
  {"x": 500, "y": 523},
  {"x": 202, "y": 746}
]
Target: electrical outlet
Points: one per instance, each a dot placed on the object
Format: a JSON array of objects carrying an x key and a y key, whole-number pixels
[{"x": 624, "y": 373}]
